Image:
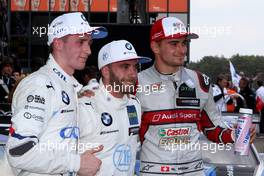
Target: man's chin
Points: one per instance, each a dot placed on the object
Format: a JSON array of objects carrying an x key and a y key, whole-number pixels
[
  {"x": 80, "y": 67},
  {"x": 127, "y": 92},
  {"x": 128, "y": 88}
]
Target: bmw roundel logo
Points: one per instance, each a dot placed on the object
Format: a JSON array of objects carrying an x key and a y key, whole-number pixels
[
  {"x": 65, "y": 98},
  {"x": 128, "y": 46},
  {"x": 106, "y": 119}
]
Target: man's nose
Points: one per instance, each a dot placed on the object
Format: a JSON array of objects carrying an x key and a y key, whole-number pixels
[
  {"x": 133, "y": 73},
  {"x": 182, "y": 48},
  {"x": 87, "y": 49}
]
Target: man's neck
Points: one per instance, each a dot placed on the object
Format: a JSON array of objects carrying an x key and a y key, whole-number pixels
[
  {"x": 111, "y": 89},
  {"x": 166, "y": 70},
  {"x": 61, "y": 62}
]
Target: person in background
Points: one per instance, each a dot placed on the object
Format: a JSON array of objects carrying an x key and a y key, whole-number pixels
[
  {"x": 44, "y": 134},
  {"x": 232, "y": 92},
  {"x": 248, "y": 95},
  {"x": 88, "y": 73},
  {"x": 260, "y": 103},
  {"x": 220, "y": 93},
  {"x": 16, "y": 75},
  {"x": 6, "y": 79}
]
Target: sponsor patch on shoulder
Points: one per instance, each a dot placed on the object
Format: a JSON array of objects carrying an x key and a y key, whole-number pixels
[
  {"x": 132, "y": 115},
  {"x": 133, "y": 130},
  {"x": 204, "y": 81}
]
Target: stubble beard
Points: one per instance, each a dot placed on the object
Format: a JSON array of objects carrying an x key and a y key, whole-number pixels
[{"x": 118, "y": 84}]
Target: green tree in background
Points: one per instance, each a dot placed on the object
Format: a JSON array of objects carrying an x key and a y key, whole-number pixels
[{"x": 214, "y": 65}]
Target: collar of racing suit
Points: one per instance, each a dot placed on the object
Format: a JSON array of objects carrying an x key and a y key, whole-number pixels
[
  {"x": 117, "y": 103},
  {"x": 181, "y": 76},
  {"x": 52, "y": 64}
]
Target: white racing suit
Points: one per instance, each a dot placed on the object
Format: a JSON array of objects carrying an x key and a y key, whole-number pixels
[
  {"x": 113, "y": 123},
  {"x": 176, "y": 108},
  {"x": 44, "y": 132}
]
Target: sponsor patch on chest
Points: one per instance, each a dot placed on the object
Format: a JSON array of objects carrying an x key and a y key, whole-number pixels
[
  {"x": 188, "y": 102},
  {"x": 186, "y": 91},
  {"x": 174, "y": 136},
  {"x": 174, "y": 132},
  {"x": 132, "y": 115}
]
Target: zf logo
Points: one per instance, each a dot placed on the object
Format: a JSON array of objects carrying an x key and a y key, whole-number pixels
[{"x": 122, "y": 157}]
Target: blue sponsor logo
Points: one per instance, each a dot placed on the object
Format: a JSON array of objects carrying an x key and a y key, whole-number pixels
[
  {"x": 122, "y": 157},
  {"x": 65, "y": 98},
  {"x": 60, "y": 75},
  {"x": 132, "y": 115},
  {"x": 106, "y": 119},
  {"x": 70, "y": 132}
]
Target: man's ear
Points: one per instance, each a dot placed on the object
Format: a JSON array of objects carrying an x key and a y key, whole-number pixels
[
  {"x": 155, "y": 47},
  {"x": 57, "y": 44},
  {"x": 105, "y": 72}
]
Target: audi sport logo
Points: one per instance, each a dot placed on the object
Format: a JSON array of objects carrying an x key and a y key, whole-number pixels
[{"x": 158, "y": 117}]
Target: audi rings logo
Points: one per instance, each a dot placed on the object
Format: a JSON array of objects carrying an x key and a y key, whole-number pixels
[{"x": 70, "y": 132}]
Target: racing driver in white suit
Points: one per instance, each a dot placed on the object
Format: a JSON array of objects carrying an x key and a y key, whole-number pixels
[
  {"x": 112, "y": 116},
  {"x": 176, "y": 108},
  {"x": 44, "y": 133}
]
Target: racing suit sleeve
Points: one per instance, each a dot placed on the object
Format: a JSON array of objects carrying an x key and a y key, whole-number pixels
[
  {"x": 33, "y": 105},
  {"x": 88, "y": 123},
  {"x": 218, "y": 97},
  {"x": 212, "y": 125}
]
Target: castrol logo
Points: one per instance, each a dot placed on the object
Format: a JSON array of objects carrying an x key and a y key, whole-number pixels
[{"x": 174, "y": 132}]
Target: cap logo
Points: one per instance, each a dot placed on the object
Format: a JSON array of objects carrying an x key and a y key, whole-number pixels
[
  {"x": 84, "y": 19},
  {"x": 156, "y": 35},
  {"x": 178, "y": 28},
  {"x": 128, "y": 46},
  {"x": 56, "y": 24},
  {"x": 105, "y": 56}
]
